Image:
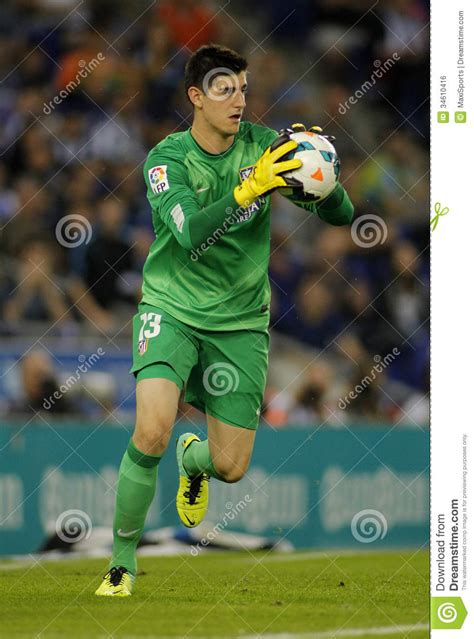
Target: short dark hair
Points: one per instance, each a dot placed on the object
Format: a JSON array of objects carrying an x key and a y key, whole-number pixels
[{"x": 208, "y": 57}]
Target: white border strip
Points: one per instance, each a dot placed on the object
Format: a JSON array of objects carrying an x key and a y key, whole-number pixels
[{"x": 452, "y": 350}]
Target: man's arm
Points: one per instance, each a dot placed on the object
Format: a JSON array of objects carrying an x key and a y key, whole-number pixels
[
  {"x": 336, "y": 209},
  {"x": 171, "y": 196}
]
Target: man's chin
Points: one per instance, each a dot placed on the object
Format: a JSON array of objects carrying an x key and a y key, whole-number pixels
[
  {"x": 233, "y": 126},
  {"x": 229, "y": 128}
]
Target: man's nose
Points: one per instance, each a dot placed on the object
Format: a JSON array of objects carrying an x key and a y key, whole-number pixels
[{"x": 240, "y": 99}]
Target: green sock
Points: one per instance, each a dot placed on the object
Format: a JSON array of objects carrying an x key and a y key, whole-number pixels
[
  {"x": 197, "y": 459},
  {"x": 135, "y": 492}
]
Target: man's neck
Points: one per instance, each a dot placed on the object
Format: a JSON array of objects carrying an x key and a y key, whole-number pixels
[{"x": 209, "y": 139}]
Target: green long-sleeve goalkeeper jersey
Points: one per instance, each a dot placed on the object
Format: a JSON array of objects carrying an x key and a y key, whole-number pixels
[{"x": 211, "y": 270}]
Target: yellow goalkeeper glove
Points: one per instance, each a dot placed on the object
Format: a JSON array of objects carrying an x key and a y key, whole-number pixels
[
  {"x": 266, "y": 174},
  {"x": 297, "y": 127}
]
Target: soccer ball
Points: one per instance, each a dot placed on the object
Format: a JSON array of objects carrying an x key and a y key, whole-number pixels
[{"x": 321, "y": 166}]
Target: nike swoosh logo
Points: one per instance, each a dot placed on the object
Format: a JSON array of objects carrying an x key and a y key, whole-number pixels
[
  {"x": 130, "y": 533},
  {"x": 205, "y": 188},
  {"x": 191, "y": 522}
]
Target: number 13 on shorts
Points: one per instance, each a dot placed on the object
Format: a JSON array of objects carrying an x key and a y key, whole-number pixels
[{"x": 151, "y": 326}]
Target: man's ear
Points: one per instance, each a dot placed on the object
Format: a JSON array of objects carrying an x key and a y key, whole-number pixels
[{"x": 195, "y": 96}]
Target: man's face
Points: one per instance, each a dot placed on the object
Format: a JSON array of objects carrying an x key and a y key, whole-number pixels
[{"x": 223, "y": 102}]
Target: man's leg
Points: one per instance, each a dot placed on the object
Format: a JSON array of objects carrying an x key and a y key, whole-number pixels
[
  {"x": 228, "y": 383},
  {"x": 157, "y": 405},
  {"x": 225, "y": 455}
]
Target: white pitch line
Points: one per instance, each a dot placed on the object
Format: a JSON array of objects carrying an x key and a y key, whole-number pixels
[
  {"x": 323, "y": 554},
  {"x": 16, "y": 561},
  {"x": 377, "y": 631},
  {"x": 347, "y": 632},
  {"x": 17, "y": 565}
]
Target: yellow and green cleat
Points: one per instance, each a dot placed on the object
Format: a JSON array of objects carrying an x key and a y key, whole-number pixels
[
  {"x": 118, "y": 582},
  {"x": 193, "y": 492}
]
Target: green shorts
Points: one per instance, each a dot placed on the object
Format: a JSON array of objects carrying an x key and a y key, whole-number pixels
[{"x": 224, "y": 371}]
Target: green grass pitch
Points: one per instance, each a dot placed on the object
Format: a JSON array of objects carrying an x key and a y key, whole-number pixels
[{"x": 223, "y": 595}]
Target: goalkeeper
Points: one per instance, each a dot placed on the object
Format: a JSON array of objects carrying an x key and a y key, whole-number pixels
[{"x": 204, "y": 315}]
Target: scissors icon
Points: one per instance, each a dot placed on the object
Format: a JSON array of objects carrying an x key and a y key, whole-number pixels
[{"x": 439, "y": 212}]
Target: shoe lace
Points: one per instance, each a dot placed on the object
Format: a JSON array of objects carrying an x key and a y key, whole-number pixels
[
  {"x": 195, "y": 487},
  {"x": 116, "y": 575}
]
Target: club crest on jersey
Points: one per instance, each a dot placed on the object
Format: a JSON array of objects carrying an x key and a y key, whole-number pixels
[
  {"x": 245, "y": 172},
  {"x": 158, "y": 178},
  {"x": 142, "y": 346}
]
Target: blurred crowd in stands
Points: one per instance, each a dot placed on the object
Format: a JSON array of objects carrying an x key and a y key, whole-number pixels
[{"x": 89, "y": 87}]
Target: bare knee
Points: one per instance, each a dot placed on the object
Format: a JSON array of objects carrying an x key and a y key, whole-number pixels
[
  {"x": 157, "y": 404},
  {"x": 152, "y": 437},
  {"x": 229, "y": 470}
]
